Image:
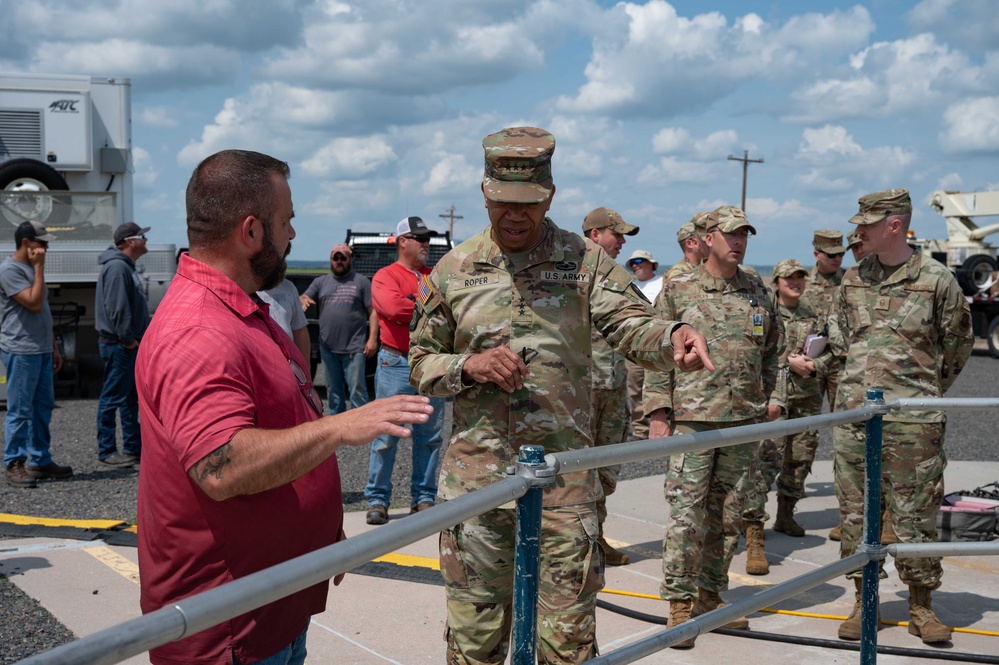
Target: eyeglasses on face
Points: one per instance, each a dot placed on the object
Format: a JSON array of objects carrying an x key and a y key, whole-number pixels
[
  {"x": 417, "y": 238},
  {"x": 306, "y": 386},
  {"x": 340, "y": 257},
  {"x": 135, "y": 238},
  {"x": 637, "y": 262}
]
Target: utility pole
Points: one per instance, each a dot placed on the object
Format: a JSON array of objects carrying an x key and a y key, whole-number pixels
[
  {"x": 745, "y": 170},
  {"x": 450, "y": 216}
]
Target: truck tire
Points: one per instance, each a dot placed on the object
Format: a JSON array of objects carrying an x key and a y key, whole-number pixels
[
  {"x": 975, "y": 273},
  {"x": 993, "y": 336},
  {"x": 33, "y": 176}
]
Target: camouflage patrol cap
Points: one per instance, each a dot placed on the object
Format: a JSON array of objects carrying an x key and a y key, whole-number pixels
[
  {"x": 685, "y": 231},
  {"x": 700, "y": 220},
  {"x": 875, "y": 207},
  {"x": 518, "y": 165},
  {"x": 788, "y": 267},
  {"x": 853, "y": 238},
  {"x": 605, "y": 218},
  {"x": 728, "y": 219},
  {"x": 828, "y": 241}
]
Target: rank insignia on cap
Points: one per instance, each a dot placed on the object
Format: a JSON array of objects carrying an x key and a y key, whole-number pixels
[{"x": 424, "y": 290}]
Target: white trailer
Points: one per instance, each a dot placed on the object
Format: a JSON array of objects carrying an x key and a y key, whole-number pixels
[{"x": 66, "y": 161}]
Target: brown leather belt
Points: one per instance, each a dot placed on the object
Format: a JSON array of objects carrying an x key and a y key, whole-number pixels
[{"x": 394, "y": 351}]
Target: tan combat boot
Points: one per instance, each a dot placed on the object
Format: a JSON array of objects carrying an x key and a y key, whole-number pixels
[
  {"x": 612, "y": 557},
  {"x": 888, "y": 536},
  {"x": 679, "y": 611},
  {"x": 850, "y": 629},
  {"x": 785, "y": 517},
  {"x": 708, "y": 601},
  {"x": 834, "y": 534},
  {"x": 756, "y": 557},
  {"x": 922, "y": 621}
]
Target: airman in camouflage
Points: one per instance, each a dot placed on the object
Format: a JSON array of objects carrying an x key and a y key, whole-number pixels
[
  {"x": 789, "y": 459},
  {"x": 503, "y": 324},
  {"x": 704, "y": 489},
  {"x": 611, "y": 419},
  {"x": 690, "y": 237},
  {"x": 905, "y": 326},
  {"x": 820, "y": 288}
]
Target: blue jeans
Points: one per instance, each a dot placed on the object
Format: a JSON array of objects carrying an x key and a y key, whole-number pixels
[
  {"x": 118, "y": 396},
  {"x": 30, "y": 400},
  {"x": 392, "y": 378},
  {"x": 344, "y": 370},
  {"x": 293, "y": 654}
]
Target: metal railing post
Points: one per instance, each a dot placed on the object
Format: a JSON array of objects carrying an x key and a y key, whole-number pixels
[
  {"x": 527, "y": 555},
  {"x": 872, "y": 530}
]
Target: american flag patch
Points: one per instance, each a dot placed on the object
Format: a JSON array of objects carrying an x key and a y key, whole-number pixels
[{"x": 424, "y": 291}]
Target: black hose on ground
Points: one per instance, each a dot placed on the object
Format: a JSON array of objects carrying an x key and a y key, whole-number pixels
[{"x": 811, "y": 641}]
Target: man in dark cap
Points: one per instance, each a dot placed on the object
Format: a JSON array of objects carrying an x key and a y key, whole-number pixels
[
  {"x": 503, "y": 324},
  {"x": 31, "y": 358},
  {"x": 121, "y": 317},
  {"x": 902, "y": 324}
]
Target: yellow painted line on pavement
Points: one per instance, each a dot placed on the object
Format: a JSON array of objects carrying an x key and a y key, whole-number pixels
[
  {"x": 411, "y": 561},
  {"x": 48, "y": 521},
  {"x": 115, "y": 562}
]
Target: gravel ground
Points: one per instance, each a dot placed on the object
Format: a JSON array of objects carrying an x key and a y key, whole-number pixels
[{"x": 98, "y": 492}]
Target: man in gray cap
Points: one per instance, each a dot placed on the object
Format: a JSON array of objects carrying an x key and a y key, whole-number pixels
[
  {"x": 503, "y": 324},
  {"x": 904, "y": 325},
  {"x": 121, "y": 317},
  {"x": 31, "y": 357},
  {"x": 704, "y": 489}
]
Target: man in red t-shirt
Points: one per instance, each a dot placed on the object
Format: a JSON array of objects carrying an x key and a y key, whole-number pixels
[
  {"x": 393, "y": 294},
  {"x": 238, "y": 467}
]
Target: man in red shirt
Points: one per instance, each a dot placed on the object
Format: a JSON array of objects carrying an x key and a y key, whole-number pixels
[
  {"x": 238, "y": 467},
  {"x": 393, "y": 294}
]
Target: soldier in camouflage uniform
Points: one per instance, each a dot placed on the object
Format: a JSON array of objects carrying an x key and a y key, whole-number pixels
[
  {"x": 611, "y": 419},
  {"x": 820, "y": 288},
  {"x": 789, "y": 459},
  {"x": 905, "y": 326},
  {"x": 690, "y": 237},
  {"x": 503, "y": 324},
  {"x": 856, "y": 245},
  {"x": 704, "y": 489}
]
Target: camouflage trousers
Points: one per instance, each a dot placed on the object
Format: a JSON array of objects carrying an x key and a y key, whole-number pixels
[
  {"x": 636, "y": 383},
  {"x": 829, "y": 387},
  {"x": 477, "y": 563},
  {"x": 705, "y": 500},
  {"x": 912, "y": 487},
  {"x": 611, "y": 423},
  {"x": 788, "y": 460}
]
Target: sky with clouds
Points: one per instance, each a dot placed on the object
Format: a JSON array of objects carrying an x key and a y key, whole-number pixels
[{"x": 380, "y": 107}]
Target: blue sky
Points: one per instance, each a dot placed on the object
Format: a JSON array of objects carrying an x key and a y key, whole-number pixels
[{"x": 380, "y": 107}]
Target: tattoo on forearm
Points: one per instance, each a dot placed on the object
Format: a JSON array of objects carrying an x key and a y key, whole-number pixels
[{"x": 214, "y": 462}]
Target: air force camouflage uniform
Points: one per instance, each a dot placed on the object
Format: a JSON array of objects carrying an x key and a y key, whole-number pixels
[
  {"x": 703, "y": 489},
  {"x": 543, "y": 304},
  {"x": 789, "y": 459},
  {"x": 820, "y": 293},
  {"x": 908, "y": 332}
]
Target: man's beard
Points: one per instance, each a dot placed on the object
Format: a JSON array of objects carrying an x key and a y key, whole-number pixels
[
  {"x": 341, "y": 269},
  {"x": 267, "y": 266}
]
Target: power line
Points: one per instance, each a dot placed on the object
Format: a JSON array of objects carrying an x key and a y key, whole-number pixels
[{"x": 745, "y": 171}]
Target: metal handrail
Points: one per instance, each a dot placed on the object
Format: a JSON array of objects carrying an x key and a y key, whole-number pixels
[{"x": 201, "y": 611}]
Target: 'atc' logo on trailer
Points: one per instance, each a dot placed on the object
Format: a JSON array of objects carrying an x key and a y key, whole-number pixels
[{"x": 64, "y": 106}]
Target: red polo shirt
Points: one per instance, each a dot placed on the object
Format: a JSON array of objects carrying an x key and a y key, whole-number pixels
[
  {"x": 211, "y": 364},
  {"x": 393, "y": 295}
]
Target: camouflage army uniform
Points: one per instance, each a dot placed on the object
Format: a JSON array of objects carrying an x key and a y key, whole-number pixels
[
  {"x": 789, "y": 459},
  {"x": 611, "y": 415},
  {"x": 702, "y": 489},
  {"x": 820, "y": 294},
  {"x": 544, "y": 307},
  {"x": 909, "y": 333}
]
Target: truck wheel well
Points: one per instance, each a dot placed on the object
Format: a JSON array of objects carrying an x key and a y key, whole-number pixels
[{"x": 31, "y": 175}]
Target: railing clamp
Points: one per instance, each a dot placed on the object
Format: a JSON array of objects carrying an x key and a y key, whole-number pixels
[
  {"x": 873, "y": 552},
  {"x": 537, "y": 475}
]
